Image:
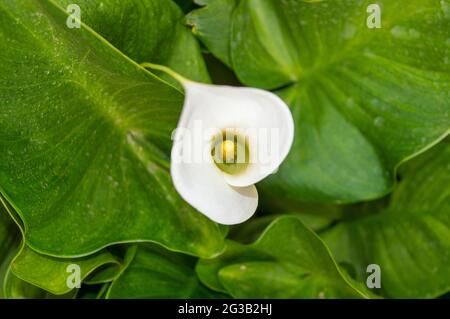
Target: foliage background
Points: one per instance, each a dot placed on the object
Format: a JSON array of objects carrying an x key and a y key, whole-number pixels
[{"x": 85, "y": 140}]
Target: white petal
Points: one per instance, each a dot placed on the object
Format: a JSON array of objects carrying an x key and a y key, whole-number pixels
[
  {"x": 202, "y": 185},
  {"x": 248, "y": 109},
  {"x": 208, "y": 110}
]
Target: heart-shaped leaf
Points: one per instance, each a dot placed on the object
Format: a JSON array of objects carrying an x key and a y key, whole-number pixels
[
  {"x": 409, "y": 238},
  {"x": 364, "y": 98},
  {"x": 84, "y": 135}
]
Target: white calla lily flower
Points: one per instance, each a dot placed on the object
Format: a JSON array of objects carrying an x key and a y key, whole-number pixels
[{"x": 227, "y": 139}]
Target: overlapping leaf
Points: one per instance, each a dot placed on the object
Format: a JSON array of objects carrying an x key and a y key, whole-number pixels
[
  {"x": 152, "y": 272},
  {"x": 84, "y": 133},
  {"x": 28, "y": 274},
  {"x": 51, "y": 274},
  {"x": 287, "y": 261},
  {"x": 364, "y": 99},
  {"x": 409, "y": 238}
]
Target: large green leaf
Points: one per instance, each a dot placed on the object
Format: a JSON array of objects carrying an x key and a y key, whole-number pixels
[
  {"x": 83, "y": 134},
  {"x": 287, "y": 261},
  {"x": 146, "y": 31},
  {"x": 363, "y": 100},
  {"x": 152, "y": 272},
  {"x": 409, "y": 238}
]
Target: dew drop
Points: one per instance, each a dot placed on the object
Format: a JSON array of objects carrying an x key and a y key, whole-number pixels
[
  {"x": 378, "y": 121},
  {"x": 349, "y": 32},
  {"x": 405, "y": 33},
  {"x": 351, "y": 103}
]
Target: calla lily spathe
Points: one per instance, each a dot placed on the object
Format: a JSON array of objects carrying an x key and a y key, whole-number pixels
[{"x": 227, "y": 198}]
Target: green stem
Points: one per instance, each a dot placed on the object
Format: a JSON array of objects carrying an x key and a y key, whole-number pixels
[{"x": 166, "y": 70}]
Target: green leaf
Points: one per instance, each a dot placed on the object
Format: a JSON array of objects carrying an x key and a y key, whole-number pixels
[
  {"x": 15, "y": 288},
  {"x": 152, "y": 272},
  {"x": 85, "y": 133},
  {"x": 51, "y": 273},
  {"x": 409, "y": 238},
  {"x": 92, "y": 292},
  {"x": 104, "y": 274},
  {"x": 251, "y": 230},
  {"x": 211, "y": 25},
  {"x": 146, "y": 31},
  {"x": 287, "y": 261},
  {"x": 185, "y": 5},
  {"x": 10, "y": 239},
  {"x": 363, "y": 100},
  {"x": 27, "y": 274}
]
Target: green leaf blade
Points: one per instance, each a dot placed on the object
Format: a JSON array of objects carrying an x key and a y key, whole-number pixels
[
  {"x": 86, "y": 132},
  {"x": 287, "y": 261}
]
